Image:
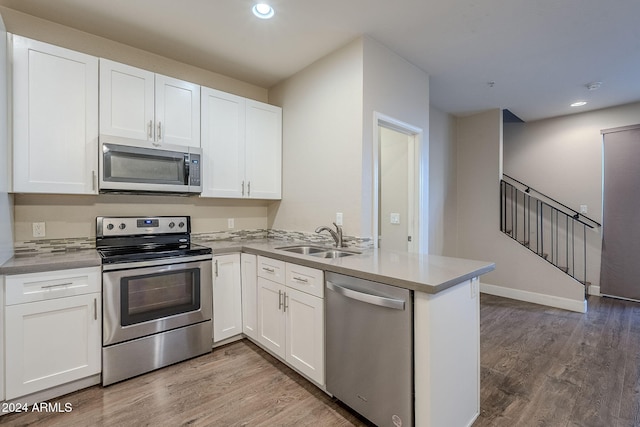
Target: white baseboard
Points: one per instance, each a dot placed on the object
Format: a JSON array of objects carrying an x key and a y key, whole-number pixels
[
  {"x": 543, "y": 299},
  {"x": 594, "y": 290}
]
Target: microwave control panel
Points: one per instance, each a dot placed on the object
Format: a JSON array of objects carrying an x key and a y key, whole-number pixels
[{"x": 194, "y": 170}]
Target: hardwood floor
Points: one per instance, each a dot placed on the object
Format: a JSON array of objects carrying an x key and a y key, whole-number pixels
[
  {"x": 539, "y": 367},
  {"x": 236, "y": 385},
  {"x": 548, "y": 367}
]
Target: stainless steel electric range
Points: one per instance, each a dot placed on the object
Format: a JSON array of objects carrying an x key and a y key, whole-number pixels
[{"x": 157, "y": 294}]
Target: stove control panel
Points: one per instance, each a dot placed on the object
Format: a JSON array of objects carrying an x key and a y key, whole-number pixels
[{"x": 133, "y": 226}]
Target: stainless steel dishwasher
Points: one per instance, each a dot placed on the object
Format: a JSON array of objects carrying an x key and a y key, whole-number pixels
[{"x": 369, "y": 348}]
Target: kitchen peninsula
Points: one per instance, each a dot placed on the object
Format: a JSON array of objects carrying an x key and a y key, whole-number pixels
[{"x": 446, "y": 313}]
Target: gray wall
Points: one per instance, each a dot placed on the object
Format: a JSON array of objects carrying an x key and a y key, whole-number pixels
[
  {"x": 562, "y": 158},
  {"x": 328, "y": 125},
  {"x": 443, "y": 201},
  {"x": 6, "y": 201},
  {"x": 519, "y": 273}
]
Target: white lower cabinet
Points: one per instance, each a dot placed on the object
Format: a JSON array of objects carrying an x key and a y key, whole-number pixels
[
  {"x": 227, "y": 297},
  {"x": 271, "y": 316},
  {"x": 52, "y": 329},
  {"x": 305, "y": 333},
  {"x": 249, "y": 277},
  {"x": 291, "y": 321}
]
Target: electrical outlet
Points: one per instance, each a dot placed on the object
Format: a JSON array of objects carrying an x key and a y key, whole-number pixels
[
  {"x": 230, "y": 223},
  {"x": 39, "y": 229},
  {"x": 339, "y": 218},
  {"x": 584, "y": 209}
]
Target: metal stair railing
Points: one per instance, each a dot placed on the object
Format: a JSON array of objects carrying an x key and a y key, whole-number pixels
[{"x": 545, "y": 226}]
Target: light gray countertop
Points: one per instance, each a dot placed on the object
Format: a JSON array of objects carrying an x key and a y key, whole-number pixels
[
  {"x": 49, "y": 261},
  {"x": 424, "y": 273}
]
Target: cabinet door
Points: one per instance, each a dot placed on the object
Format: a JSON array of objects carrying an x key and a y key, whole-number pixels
[
  {"x": 271, "y": 317},
  {"x": 126, "y": 101},
  {"x": 227, "y": 297},
  {"x": 223, "y": 135},
  {"x": 55, "y": 119},
  {"x": 249, "y": 276},
  {"x": 177, "y": 112},
  {"x": 2, "y": 344},
  {"x": 305, "y": 334},
  {"x": 263, "y": 151},
  {"x": 49, "y": 343}
]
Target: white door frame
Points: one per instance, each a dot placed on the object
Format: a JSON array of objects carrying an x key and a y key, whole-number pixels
[{"x": 415, "y": 196}]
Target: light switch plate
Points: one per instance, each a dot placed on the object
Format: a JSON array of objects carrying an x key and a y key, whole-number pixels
[
  {"x": 231, "y": 223},
  {"x": 394, "y": 218}
]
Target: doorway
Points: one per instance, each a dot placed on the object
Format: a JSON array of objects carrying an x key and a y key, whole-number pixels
[{"x": 397, "y": 185}]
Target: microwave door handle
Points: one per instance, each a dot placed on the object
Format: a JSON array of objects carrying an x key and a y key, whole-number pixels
[{"x": 186, "y": 170}]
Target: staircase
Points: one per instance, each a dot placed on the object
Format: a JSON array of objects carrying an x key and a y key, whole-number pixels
[{"x": 548, "y": 228}]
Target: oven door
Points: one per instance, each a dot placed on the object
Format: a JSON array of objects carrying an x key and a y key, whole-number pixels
[{"x": 145, "y": 300}]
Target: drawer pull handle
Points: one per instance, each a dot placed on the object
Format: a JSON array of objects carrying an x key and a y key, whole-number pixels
[
  {"x": 301, "y": 279},
  {"x": 60, "y": 285},
  {"x": 270, "y": 270}
]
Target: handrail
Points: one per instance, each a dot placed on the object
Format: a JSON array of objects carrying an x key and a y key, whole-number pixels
[
  {"x": 576, "y": 215},
  {"x": 544, "y": 229}
]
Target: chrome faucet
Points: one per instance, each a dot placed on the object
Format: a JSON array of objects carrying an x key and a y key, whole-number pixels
[{"x": 337, "y": 235}]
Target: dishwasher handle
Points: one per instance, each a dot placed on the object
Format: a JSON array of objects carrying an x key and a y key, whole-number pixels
[{"x": 396, "y": 304}]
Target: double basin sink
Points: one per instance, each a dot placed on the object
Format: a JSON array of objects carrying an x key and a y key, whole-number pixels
[{"x": 318, "y": 251}]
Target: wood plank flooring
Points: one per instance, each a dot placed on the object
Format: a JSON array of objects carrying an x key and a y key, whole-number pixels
[
  {"x": 236, "y": 385},
  {"x": 546, "y": 367},
  {"x": 539, "y": 367}
]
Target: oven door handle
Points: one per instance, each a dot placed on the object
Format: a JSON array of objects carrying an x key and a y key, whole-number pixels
[{"x": 155, "y": 262}]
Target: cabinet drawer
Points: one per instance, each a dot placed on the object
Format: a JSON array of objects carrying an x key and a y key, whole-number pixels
[
  {"x": 305, "y": 279},
  {"x": 271, "y": 269},
  {"x": 22, "y": 288}
]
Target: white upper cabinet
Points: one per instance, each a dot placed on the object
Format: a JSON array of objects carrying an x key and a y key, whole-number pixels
[
  {"x": 55, "y": 119},
  {"x": 263, "y": 165},
  {"x": 139, "y": 104},
  {"x": 177, "y": 111},
  {"x": 127, "y": 98},
  {"x": 223, "y": 134},
  {"x": 242, "y": 147}
]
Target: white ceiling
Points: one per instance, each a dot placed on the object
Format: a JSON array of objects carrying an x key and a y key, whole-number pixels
[{"x": 540, "y": 53}]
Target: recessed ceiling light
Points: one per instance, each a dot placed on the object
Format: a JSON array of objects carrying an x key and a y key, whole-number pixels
[
  {"x": 593, "y": 85},
  {"x": 579, "y": 104},
  {"x": 263, "y": 11}
]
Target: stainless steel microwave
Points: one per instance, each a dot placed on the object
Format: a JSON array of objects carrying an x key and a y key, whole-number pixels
[{"x": 132, "y": 166}]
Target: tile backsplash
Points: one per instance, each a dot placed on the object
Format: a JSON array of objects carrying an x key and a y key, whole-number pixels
[{"x": 33, "y": 247}]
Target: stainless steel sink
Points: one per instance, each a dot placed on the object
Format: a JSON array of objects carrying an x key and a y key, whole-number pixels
[
  {"x": 333, "y": 253},
  {"x": 318, "y": 251},
  {"x": 303, "y": 249}
]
